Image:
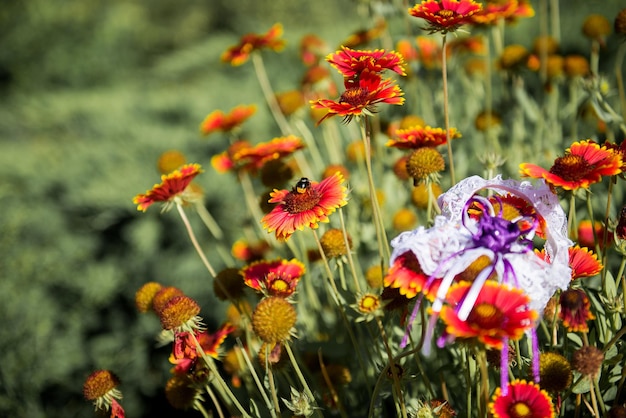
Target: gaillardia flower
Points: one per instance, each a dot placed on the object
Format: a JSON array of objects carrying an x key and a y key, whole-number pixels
[
  {"x": 171, "y": 189},
  {"x": 583, "y": 164},
  {"x": 445, "y": 15},
  {"x": 184, "y": 352},
  {"x": 351, "y": 63},
  {"x": 421, "y": 136},
  {"x": 361, "y": 97},
  {"x": 500, "y": 314},
  {"x": 275, "y": 278},
  {"x": 239, "y": 54},
  {"x": 101, "y": 388},
  {"x": 575, "y": 310},
  {"x": 226, "y": 122},
  {"x": 244, "y": 156},
  {"x": 521, "y": 399},
  {"x": 307, "y": 204}
]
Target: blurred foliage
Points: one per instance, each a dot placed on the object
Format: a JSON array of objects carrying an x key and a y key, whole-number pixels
[{"x": 93, "y": 92}]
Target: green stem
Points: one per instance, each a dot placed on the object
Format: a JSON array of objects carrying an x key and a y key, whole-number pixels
[
  {"x": 218, "y": 408},
  {"x": 268, "y": 92},
  {"x": 392, "y": 365},
  {"x": 303, "y": 381},
  {"x": 256, "y": 379},
  {"x": 593, "y": 229},
  {"x": 446, "y": 112},
  {"x": 357, "y": 286},
  {"x": 194, "y": 241},
  {"x": 216, "y": 375},
  {"x": 383, "y": 246}
]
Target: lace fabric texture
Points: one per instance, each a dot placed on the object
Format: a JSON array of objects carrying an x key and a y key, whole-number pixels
[{"x": 447, "y": 248}]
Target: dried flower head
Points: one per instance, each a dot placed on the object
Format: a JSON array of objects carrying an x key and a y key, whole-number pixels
[
  {"x": 101, "y": 388},
  {"x": 419, "y": 194},
  {"x": 425, "y": 164},
  {"x": 180, "y": 312},
  {"x": 555, "y": 372},
  {"x": 163, "y": 296},
  {"x": 596, "y": 27},
  {"x": 404, "y": 219},
  {"x": 273, "y": 319},
  {"x": 170, "y": 160},
  {"x": 333, "y": 243},
  {"x": 145, "y": 295},
  {"x": 181, "y": 393},
  {"x": 587, "y": 360}
]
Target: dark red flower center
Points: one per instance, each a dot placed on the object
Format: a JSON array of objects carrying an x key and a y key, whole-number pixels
[
  {"x": 356, "y": 96},
  {"x": 520, "y": 410},
  {"x": 300, "y": 202},
  {"x": 572, "y": 300},
  {"x": 571, "y": 167},
  {"x": 486, "y": 316}
]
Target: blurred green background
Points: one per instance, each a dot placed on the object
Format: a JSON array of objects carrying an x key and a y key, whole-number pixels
[{"x": 92, "y": 93}]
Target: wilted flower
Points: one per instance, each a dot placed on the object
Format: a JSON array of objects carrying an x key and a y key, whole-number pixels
[
  {"x": 185, "y": 352},
  {"x": 587, "y": 360}
]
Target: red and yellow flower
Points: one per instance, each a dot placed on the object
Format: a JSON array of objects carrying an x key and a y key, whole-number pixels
[
  {"x": 351, "y": 62},
  {"x": 575, "y": 310},
  {"x": 226, "y": 122},
  {"x": 406, "y": 275},
  {"x": 521, "y": 399},
  {"x": 445, "y": 15},
  {"x": 583, "y": 164},
  {"x": 239, "y": 54},
  {"x": 184, "y": 353},
  {"x": 171, "y": 188},
  {"x": 274, "y": 278},
  {"x": 361, "y": 97},
  {"x": 307, "y": 204},
  {"x": 500, "y": 312},
  {"x": 421, "y": 136},
  {"x": 583, "y": 262},
  {"x": 243, "y": 156},
  {"x": 508, "y": 10}
]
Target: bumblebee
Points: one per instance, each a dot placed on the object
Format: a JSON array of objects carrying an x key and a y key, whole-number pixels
[{"x": 302, "y": 185}]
